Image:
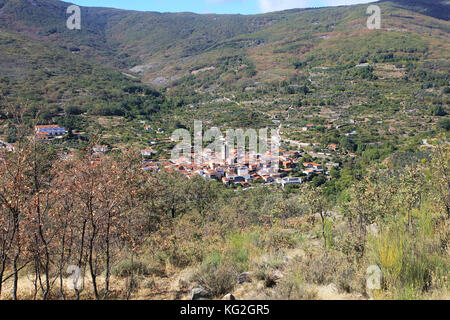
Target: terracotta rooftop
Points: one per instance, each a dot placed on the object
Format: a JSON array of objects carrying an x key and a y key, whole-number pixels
[{"x": 47, "y": 126}]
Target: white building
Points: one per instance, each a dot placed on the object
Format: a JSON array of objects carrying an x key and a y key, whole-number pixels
[
  {"x": 242, "y": 171},
  {"x": 291, "y": 181},
  {"x": 147, "y": 152}
]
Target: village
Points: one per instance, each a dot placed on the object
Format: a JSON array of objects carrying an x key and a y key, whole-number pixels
[
  {"x": 240, "y": 168},
  {"x": 237, "y": 169}
]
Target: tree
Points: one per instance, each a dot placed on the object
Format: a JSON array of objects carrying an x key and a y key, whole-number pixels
[
  {"x": 15, "y": 198},
  {"x": 438, "y": 111},
  {"x": 319, "y": 180},
  {"x": 100, "y": 195},
  {"x": 440, "y": 174},
  {"x": 41, "y": 212},
  {"x": 348, "y": 144},
  {"x": 316, "y": 202},
  {"x": 370, "y": 200},
  {"x": 173, "y": 193},
  {"x": 201, "y": 193},
  {"x": 444, "y": 124}
]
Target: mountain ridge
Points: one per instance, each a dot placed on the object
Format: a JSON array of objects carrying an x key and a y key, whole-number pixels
[
  {"x": 191, "y": 54},
  {"x": 107, "y": 34}
]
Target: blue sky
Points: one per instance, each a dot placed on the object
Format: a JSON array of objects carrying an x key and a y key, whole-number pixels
[{"x": 214, "y": 6}]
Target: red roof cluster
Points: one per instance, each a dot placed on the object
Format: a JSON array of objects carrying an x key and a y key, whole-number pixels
[{"x": 47, "y": 126}]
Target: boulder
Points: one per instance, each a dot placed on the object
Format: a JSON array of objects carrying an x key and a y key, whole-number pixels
[
  {"x": 245, "y": 277},
  {"x": 271, "y": 280},
  {"x": 229, "y": 297},
  {"x": 200, "y": 293},
  {"x": 311, "y": 236},
  {"x": 277, "y": 275}
]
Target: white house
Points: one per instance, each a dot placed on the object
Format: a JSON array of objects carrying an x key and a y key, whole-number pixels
[
  {"x": 50, "y": 130},
  {"x": 100, "y": 148},
  {"x": 147, "y": 152},
  {"x": 242, "y": 171},
  {"x": 291, "y": 181}
]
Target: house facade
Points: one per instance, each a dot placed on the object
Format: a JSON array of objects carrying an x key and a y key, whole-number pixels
[{"x": 50, "y": 130}]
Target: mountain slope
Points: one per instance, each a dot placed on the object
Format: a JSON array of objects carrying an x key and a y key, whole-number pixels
[
  {"x": 162, "y": 48},
  {"x": 43, "y": 77},
  {"x": 436, "y": 8},
  {"x": 45, "y": 20},
  {"x": 107, "y": 33},
  {"x": 197, "y": 56}
]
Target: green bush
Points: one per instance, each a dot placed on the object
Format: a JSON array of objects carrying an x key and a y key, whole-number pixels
[
  {"x": 438, "y": 111},
  {"x": 239, "y": 251},
  {"x": 409, "y": 261},
  {"x": 444, "y": 124},
  {"x": 74, "y": 110}
]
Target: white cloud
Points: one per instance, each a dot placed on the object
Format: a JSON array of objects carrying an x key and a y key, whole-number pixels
[{"x": 277, "y": 5}]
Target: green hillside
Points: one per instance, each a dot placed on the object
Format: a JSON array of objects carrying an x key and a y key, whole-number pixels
[
  {"x": 303, "y": 61},
  {"x": 168, "y": 46},
  {"x": 56, "y": 85}
]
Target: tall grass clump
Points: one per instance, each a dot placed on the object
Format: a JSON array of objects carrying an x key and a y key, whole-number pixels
[
  {"x": 411, "y": 260},
  {"x": 220, "y": 269}
]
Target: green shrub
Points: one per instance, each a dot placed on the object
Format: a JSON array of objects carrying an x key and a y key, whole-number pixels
[
  {"x": 239, "y": 251},
  {"x": 409, "y": 259},
  {"x": 444, "y": 124},
  {"x": 74, "y": 110}
]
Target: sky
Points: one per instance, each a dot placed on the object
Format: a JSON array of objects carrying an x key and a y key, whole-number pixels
[{"x": 214, "y": 6}]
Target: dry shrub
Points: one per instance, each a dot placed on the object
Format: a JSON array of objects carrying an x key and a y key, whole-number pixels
[
  {"x": 291, "y": 289},
  {"x": 349, "y": 279},
  {"x": 217, "y": 278},
  {"x": 267, "y": 266},
  {"x": 139, "y": 268},
  {"x": 293, "y": 286},
  {"x": 180, "y": 254},
  {"x": 320, "y": 269},
  {"x": 331, "y": 267}
]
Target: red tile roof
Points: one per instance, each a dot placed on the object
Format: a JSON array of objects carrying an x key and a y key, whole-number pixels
[{"x": 47, "y": 126}]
